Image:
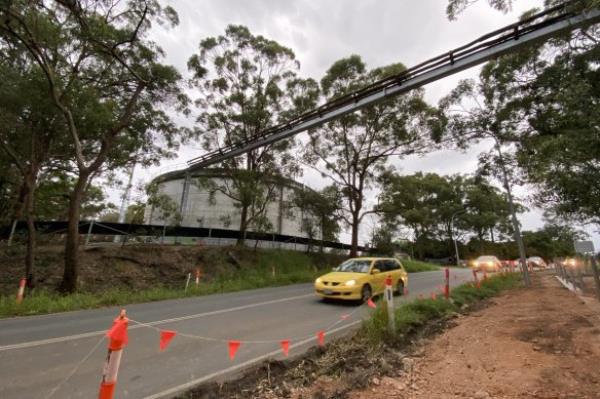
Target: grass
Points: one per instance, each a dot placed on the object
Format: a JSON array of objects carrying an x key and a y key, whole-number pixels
[
  {"x": 290, "y": 267},
  {"x": 414, "y": 315},
  {"x": 414, "y": 266}
]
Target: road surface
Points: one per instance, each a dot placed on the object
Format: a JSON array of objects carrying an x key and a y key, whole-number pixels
[{"x": 37, "y": 353}]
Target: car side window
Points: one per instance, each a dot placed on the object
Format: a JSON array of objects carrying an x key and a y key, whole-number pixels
[
  {"x": 392, "y": 265},
  {"x": 380, "y": 265}
]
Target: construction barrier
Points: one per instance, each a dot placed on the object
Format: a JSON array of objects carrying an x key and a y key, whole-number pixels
[
  {"x": 198, "y": 273},
  {"x": 389, "y": 300},
  {"x": 447, "y": 286},
  {"x": 21, "y": 290},
  {"x": 476, "y": 279},
  {"x": 117, "y": 341}
]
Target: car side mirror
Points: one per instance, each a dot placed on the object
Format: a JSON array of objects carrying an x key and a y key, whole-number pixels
[{"x": 375, "y": 271}]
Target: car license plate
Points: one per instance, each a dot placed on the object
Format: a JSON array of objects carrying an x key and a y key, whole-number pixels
[{"x": 328, "y": 292}]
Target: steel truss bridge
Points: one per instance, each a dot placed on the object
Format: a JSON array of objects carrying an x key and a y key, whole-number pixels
[{"x": 511, "y": 38}]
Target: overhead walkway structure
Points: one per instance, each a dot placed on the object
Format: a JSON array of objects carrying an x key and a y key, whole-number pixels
[{"x": 511, "y": 38}]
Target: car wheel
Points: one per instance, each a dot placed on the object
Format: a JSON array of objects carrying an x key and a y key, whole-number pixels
[
  {"x": 366, "y": 293},
  {"x": 399, "y": 288}
]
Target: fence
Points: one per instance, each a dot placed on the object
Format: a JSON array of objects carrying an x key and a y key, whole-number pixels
[
  {"x": 103, "y": 232},
  {"x": 580, "y": 273}
]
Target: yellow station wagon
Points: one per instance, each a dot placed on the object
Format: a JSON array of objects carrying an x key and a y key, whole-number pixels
[{"x": 361, "y": 278}]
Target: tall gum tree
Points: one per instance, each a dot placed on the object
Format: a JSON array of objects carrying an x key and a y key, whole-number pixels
[
  {"x": 248, "y": 83},
  {"x": 353, "y": 150},
  {"x": 105, "y": 78},
  {"x": 29, "y": 127}
]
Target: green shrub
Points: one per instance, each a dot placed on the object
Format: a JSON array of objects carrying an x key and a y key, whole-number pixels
[
  {"x": 411, "y": 316},
  {"x": 414, "y": 266}
]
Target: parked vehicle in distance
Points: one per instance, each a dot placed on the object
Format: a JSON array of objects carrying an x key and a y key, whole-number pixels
[
  {"x": 361, "y": 279},
  {"x": 536, "y": 261},
  {"x": 488, "y": 263}
]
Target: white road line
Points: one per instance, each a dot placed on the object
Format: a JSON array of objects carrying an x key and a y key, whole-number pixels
[
  {"x": 152, "y": 323},
  {"x": 208, "y": 377}
]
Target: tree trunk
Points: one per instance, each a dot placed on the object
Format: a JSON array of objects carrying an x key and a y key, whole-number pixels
[
  {"x": 354, "y": 248},
  {"x": 243, "y": 225},
  {"x": 71, "y": 271},
  {"x": 31, "y": 234},
  {"x": 480, "y": 235}
]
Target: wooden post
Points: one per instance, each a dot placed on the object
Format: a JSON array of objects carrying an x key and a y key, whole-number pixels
[
  {"x": 187, "y": 281},
  {"x": 89, "y": 232},
  {"x": 12, "y": 233}
]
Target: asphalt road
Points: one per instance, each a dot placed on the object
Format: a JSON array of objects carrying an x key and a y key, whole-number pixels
[{"x": 37, "y": 353}]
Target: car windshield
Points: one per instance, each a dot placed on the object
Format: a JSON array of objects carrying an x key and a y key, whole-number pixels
[{"x": 354, "y": 266}]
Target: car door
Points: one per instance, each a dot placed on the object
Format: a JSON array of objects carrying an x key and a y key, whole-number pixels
[
  {"x": 402, "y": 275},
  {"x": 378, "y": 279},
  {"x": 393, "y": 270}
]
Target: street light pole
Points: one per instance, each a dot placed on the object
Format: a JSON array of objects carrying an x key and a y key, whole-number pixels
[{"x": 454, "y": 236}]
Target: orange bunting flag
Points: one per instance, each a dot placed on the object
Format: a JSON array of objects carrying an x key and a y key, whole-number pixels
[
  {"x": 233, "y": 348},
  {"x": 118, "y": 331},
  {"x": 285, "y": 346},
  {"x": 344, "y": 316},
  {"x": 371, "y": 303},
  {"x": 165, "y": 338},
  {"x": 321, "y": 338},
  {"x": 433, "y": 296}
]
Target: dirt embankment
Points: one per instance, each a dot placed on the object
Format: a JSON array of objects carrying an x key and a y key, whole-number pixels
[
  {"x": 538, "y": 343},
  {"x": 143, "y": 266}
]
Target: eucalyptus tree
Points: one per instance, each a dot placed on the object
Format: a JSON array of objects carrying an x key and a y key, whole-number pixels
[
  {"x": 353, "y": 150},
  {"x": 247, "y": 84},
  {"x": 105, "y": 77},
  {"x": 30, "y": 127},
  {"x": 481, "y": 110},
  {"x": 558, "y": 96},
  {"x": 323, "y": 208}
]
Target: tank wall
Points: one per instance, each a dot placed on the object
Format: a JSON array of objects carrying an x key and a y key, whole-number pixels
[{"x": 221, "y": 211}]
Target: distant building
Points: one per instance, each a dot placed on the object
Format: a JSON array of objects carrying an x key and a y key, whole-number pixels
[{"x": 198, "y": 209}]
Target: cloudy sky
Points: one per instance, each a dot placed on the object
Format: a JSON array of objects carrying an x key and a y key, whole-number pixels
[{"x": 321, "y": 32}]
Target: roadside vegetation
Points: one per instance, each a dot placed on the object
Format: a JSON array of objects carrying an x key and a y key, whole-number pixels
[
  {"x": 414, "y": 266},
  {"x": 414, "y": 315},
  {"x": 350, "y": 363},
  {"x": 223, "y": 270},
  {"x": 135, "y": 280}
]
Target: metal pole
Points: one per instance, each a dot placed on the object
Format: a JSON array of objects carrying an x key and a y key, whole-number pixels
[
  {"x": 454, "y": 236},
  {"x": 125, "y": 201},
  {"x": 515, "y": 222},
  {"x": 12, "y": 232}
]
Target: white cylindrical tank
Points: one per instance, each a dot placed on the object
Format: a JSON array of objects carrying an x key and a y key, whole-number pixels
[{"x": 191, "y": 191}]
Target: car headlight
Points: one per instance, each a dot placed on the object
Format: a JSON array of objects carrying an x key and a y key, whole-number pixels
[
  {"x": 318, "y": 280},
  {"x": 350, "y": 283}
]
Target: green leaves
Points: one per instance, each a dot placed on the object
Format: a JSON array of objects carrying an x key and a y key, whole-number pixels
[{"x": 248, "y": 84}]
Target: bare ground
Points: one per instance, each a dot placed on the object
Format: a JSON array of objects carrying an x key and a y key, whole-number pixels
[{"x": 538, "y": 343}]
